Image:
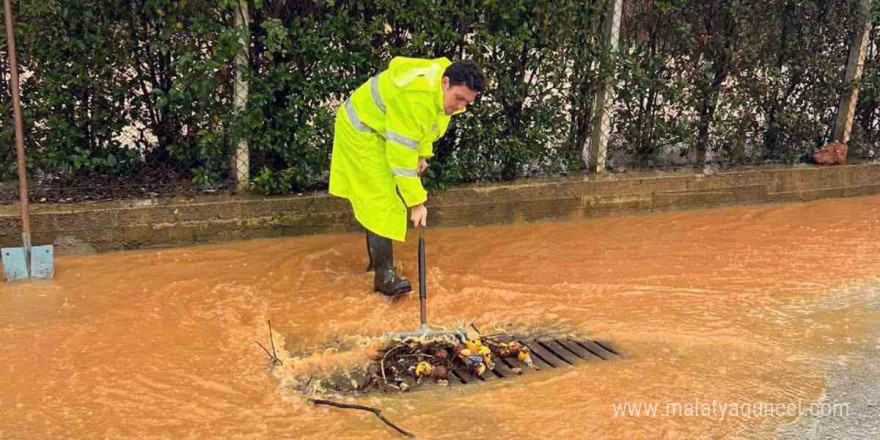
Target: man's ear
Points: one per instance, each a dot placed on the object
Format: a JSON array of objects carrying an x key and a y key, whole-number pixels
[{"x": 445, "y": 82}]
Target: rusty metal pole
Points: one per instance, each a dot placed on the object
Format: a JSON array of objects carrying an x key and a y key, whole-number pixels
[{"x": 19, "y": 135}]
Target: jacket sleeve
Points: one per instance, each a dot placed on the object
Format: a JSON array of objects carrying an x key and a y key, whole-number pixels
[
  {"x": 426, "y": 149},
  {"x": 406, "y": 121}
]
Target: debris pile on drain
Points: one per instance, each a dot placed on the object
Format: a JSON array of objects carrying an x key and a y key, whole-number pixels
[
  {"x": 432, "y": 358},
  {"x": 407, "y": 362}
]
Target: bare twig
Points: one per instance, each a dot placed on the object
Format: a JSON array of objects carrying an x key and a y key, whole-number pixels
[
  {"x": 274, "y": 359},
  {"x": 418, "y": 355},
  {"x": 474, "y": 326},
  {"x": 264, "y": 349},
  {"x": 272, "y": 340},
  {"x": 382, "y": 363},
  {"x": 489, "y": 336},
  {"x": 375, "y": 411},
  {"x": 273, "y": 355}
]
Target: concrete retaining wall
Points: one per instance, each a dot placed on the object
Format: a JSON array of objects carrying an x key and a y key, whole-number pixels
[{"x": 99, "y": 227}]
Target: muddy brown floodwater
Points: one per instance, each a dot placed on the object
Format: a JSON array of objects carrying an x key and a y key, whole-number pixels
[{"x": 735, "y": 305}]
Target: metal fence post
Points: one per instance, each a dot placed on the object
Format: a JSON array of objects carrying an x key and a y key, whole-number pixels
[
  {"x": 241, "y": 157},
  {"x": 596, "y": 151},
  {"x": 854, "y": 68},
  {"x": 19, "y": 132}
]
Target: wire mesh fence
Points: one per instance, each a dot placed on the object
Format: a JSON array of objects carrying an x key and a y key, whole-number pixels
[{"x": 161, "y": 98}]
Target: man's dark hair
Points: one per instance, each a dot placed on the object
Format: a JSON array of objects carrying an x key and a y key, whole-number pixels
[{"x": 467, "y": 73}]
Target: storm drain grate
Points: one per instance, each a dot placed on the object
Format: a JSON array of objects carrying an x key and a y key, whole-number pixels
[{"x": 546, "y": 353}]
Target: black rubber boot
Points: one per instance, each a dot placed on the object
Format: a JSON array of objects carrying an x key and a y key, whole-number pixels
[
  {"x": 369, "y": 254},
  {"x": 385, "y": 280}
]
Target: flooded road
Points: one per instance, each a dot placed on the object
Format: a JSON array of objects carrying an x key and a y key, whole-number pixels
[{"x": 734, "y": 305}]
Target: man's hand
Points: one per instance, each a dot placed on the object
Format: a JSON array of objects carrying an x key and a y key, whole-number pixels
[
  {"x": 423, "y": 165},
  {"x": 419, "y": 216}
]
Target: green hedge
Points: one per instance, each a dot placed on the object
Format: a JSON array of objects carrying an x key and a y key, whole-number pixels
[{"x": 120, "y": 87}]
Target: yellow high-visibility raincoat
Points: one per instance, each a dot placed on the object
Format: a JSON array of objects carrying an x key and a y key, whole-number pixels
[{"x": 380, "y": 133}]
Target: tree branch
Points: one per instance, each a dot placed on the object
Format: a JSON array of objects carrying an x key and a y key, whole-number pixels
[{"x": 375, "y": 411}]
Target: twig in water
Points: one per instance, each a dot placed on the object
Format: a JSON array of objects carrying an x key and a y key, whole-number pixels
[
  {"x": 382, "y": 363},
  {"x": 274, "y": 359},
  {"x": 264, "y": 349},
  {"x": 482, "y": 336},
  {"x": 272, "y": 340},
  {"x": 418, "y": 355},
  {"x": 475, "y": 328},
  {"x": 273, "y": 355},
  {"x": 492, "y": 337},
  {"x": 375, "y": 411}
]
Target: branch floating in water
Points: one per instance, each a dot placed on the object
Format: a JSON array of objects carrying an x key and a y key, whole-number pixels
[
  {"x": 273, "y": 355},
  {"x": 375, "y": 411},
  {"x": 272, "y": 340}
]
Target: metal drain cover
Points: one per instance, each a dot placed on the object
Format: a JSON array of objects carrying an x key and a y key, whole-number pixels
[{"x": 546, "y": 353}]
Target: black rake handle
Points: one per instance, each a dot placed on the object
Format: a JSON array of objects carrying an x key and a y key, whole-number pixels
[{"x": 423, "y": 288}]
